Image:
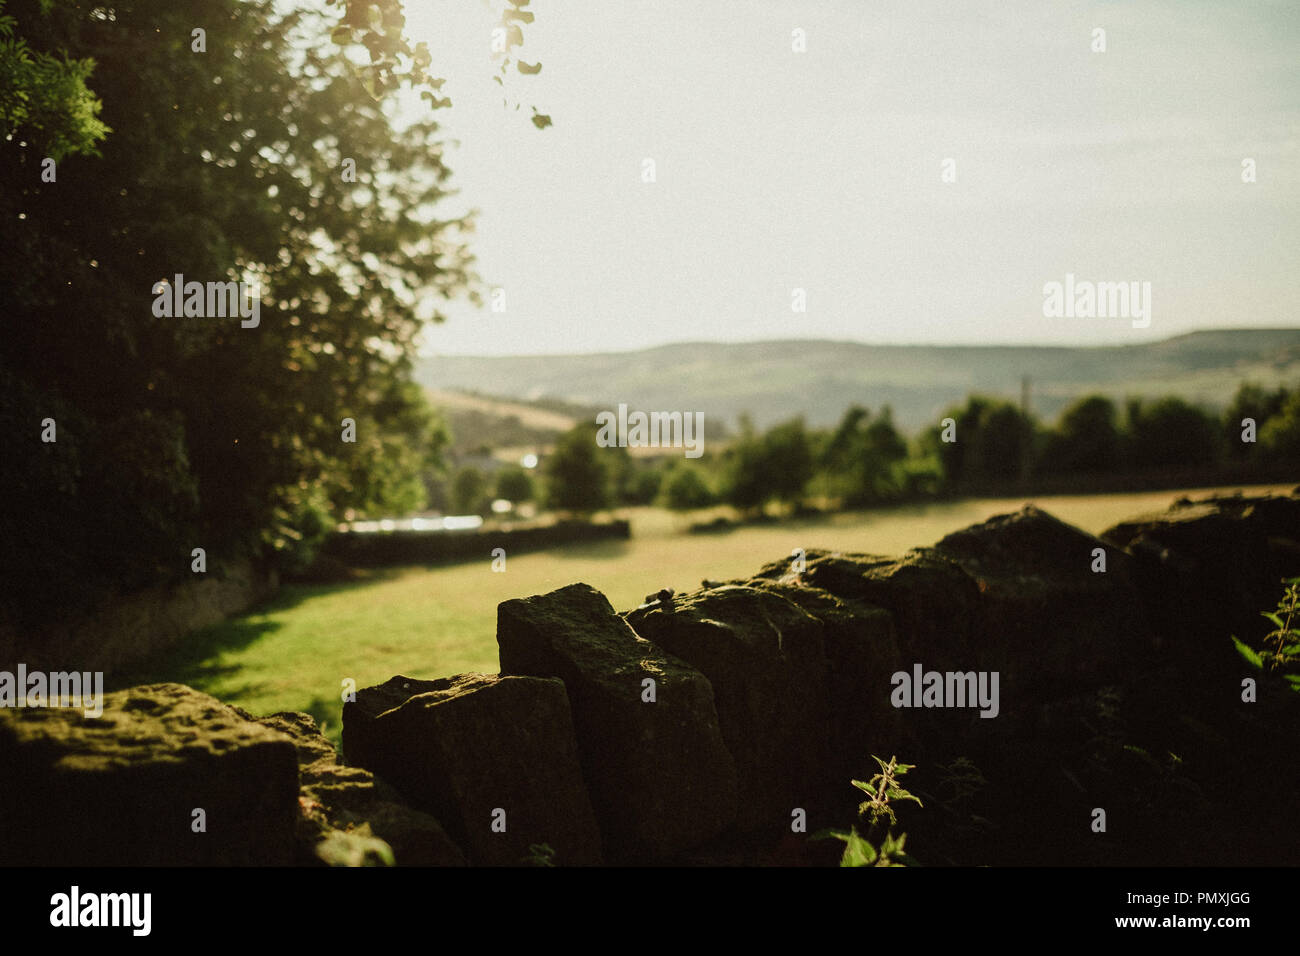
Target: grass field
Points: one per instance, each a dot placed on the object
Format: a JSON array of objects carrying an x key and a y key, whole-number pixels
[{"x": 294, "y": 653}]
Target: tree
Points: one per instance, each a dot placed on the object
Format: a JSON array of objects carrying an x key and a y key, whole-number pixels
[
  {"x": 184, "y": 431},
  {"x": 883, "y": 449},
  {"x": 840, "y": 448},
  {"x": 787, "y": 460},
  {"x": 577, "y": 477},
  {"x": 515, "y": 485},
  {"x": 1251, "y": 401},
  {"x": 862, "y": 456},
  {"x": 955, "y": 456},
  {"x": 1004, "y": 442},
  {"x": 641, "y": 486},
  {"x": 994, "y": 441},
  {"x": 467, "y": 490},
  {"x": 747, "y": 486},
  {"x": 45, "y": 96},
  {"x": 1170, "y": 433},
  {"x": 685, "y": 489},
  {"x": 1280, "y": 437},
  {"x": 1087, "y": 440}
]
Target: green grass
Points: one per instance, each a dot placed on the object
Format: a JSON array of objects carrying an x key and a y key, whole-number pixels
[{"x": 294, "y": 652}]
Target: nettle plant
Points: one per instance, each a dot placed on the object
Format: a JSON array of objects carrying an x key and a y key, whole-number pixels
[
  {"x": 539, "y": 854},
  {"x": 882, "y": 791},
  {"x": 1280, "y": 652}
]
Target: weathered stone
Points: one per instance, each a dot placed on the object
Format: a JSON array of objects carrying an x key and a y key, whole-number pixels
[
  {"x": 660, "y": 777},
  {"x": 1207, "y": 568},
  {"x": 121, "y": 789},
  {"x": 861, "y": 655},
  {"x": 767, "y": 664},
  {"x": 466, "y": 747},
  {"x": 1049, "y": 623},
  {"x": 934, "y": 606},
  {"x": 309, "y": 743},
  {"x": 933, "y": 601},
  {"x": 339, "y": 800}
]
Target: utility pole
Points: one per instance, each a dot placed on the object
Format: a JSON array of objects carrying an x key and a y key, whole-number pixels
[{"x": 1029, "y": 449}]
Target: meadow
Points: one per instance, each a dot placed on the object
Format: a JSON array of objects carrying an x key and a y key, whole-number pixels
[{"x": 294, "y": 652}]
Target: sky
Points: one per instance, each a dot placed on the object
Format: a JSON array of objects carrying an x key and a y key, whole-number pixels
[{"x": 822, "y": 170}]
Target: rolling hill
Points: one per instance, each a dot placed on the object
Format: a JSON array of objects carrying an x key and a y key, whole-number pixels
[{"x": 818, "y": 379}]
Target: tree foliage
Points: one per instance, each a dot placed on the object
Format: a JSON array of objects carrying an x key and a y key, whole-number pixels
[
  {"x": 685, "y": 488},
  {"x": 515, "y": 485},
  {"x": 222, "y": 165},
  {"x": 44, "y": 95},
  {"x": 995, "y": 440},
  {"x": 468, "y": 491},
  {"x": 1251, "y": 402},
  {"x": 391, "y": 61},
  {"x": 1280, "y": 435},
  {"x": 1170, "y": 432},
  {"x": 577, "y": 475},
  {"x": 861, "y": 458},
  {"x": 1087, "y": 439}
]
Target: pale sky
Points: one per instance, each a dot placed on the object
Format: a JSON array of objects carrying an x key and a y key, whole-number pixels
[{"x": 822, "y": 170}]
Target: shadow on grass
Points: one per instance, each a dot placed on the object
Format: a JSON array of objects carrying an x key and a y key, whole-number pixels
[
  {"x": 586, "y": 551},
  {"x": 196, "y": 659},
  {"x": 291, "y": 595}
]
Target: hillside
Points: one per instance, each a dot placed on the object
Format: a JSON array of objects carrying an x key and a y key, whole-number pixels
[{"x": 819, "y": 379}]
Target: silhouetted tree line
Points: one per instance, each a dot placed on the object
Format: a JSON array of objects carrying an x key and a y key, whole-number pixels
[
  {"x": 865, "y": 461},
  {"x": 1093, "y": 436}
]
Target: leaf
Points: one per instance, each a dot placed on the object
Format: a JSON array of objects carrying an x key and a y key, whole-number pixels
[
  {"x": 1252, "y": 658},
  {"x": 829, "y": 834},
  {"x": 858, "y": 852},
  {"x": 894, "y": 793},
  {"x": 1272, "y": 617},
  {"x": 341, "y": 35},
  {"x": 541, "y": 120},
  {"x": 529, "y": 69}
]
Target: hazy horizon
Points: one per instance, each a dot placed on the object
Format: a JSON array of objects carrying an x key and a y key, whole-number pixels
[{"x": 430, "y": 354}]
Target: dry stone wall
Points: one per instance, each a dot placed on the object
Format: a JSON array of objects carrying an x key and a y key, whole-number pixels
[{"x": 708, "y": 726}]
